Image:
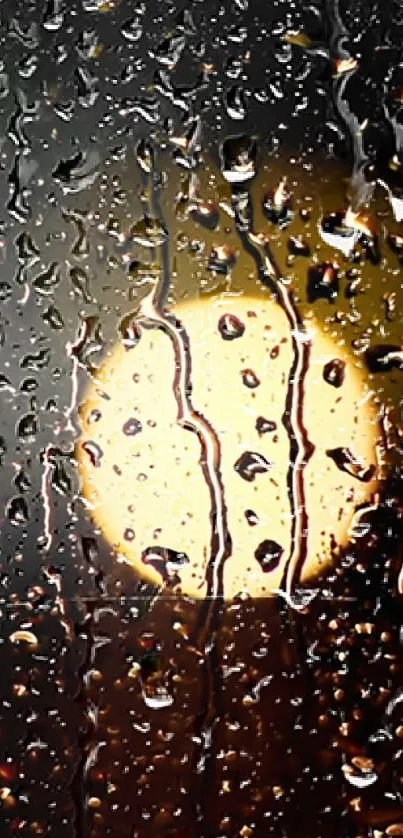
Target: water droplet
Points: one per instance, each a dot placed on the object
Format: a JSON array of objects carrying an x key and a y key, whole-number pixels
[
  {"x": 277, "y": 205},
  {"x": 129, "y": 331},
  {"x": 45, "y": 282},
  {"x": 265, "y": 426},
  {"x": 78, "y": 172},
  {"x": 230, "y": 327},
  {"x": 249, "y": 464},
  {"x": 384, "y": 357},
  {"x": 251, "y": 517},
  {"x": 22, "y": 481},
  {"x": 23, "y": 636},
  {"x": 36, "y": 361},
  {"x": 87, "y": 87},
  {"x": 27, "y": 427},
  {"x": 132, "y": 427},
  {"x": 166, "y": 562},
  {"x": 129, "y": 534},
  {"x": 148, "y": 232},
  {"x": 81, "y": 283},
  {"x": 132, "y": 29},
  {"x": 52, "y": 316},
  {"x": 298, "y": 247},
  {"x": 158, "y": 700},
  {"x": 334, "y": 372},
  {"x": 17, "y": 511},
  {"x": 94, "y": 452},
  {"x": 235, "y": 102},
  {"x": 27, "y": 251},
  {"x": 346, "y": 461},
  {"x": 268, "y": 554},
  {"x": 145, "y": 155},
  {"x": 323, "y": 282},
  {"x": 89, "y": 547},
  {"x": 170, "y": 50},
  {"x": 205, "y": 213},
  {"x": 250, "y": 379},
  {"x": 238, "y": 158},
  {"x": 54, "y": 15},
  {"x": 222, "y": 259}
]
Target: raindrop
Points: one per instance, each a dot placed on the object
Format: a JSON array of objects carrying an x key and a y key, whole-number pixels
[
  {"x": 87, "y": 87},
  {"x": 298, "y": 247},
  {"x": 384, "y": 358},
  {"x": 166, "y": 562},
  {"x": 94, "y": 452},
  {"x": 277, "y": 205},
  {"x": 230, "y": 327},
  {"x": 238, "y": 158},
  {"x": 250, "y": 379},
  {"x": 17, "y": 511},
  {"x": 251, "y": 517},
  {"x": 145, "y": 155},
  {"x": 45, "y": 282},
  {"x": 249, "y": 464},
  {"x": 235, "y": 103},
  {"x": 221, "y": 259},
  {"x": 27, "y": 427},
  {"x": 132, "y": 29},
  {"x": 80, "y": 282},
  {"x": 52, "y": 316},
  {"x": 170, "y": 50},
  {"x": 22, "y": 481},
  {"x": 323, "y": 282},
  {"x": 334, "y": 372},
  {"x": 36, "y": 361},
  {"x": 132, "y": 427},
  {"x": 265, "y": 426},
  {"x": 78, "y": 172},
  {"x": 148, "y": 232},
  {"x": 346, "y": 461},
  {"x": 61, "y": 481},
  {"x": 27, "y": 251},
  {"x": 130, "y": 331},
  {"x": 54, "y": 15},
  {"x": 268, "y": 554},
  {"x": 89, "y": 547},
  {"x": 158, "y": 700}
]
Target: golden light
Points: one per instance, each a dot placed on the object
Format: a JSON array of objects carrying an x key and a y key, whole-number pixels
[{"x": 156, "y": 457}]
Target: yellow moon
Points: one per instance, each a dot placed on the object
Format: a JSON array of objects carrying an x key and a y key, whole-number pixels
[{"x": 141, "y": 470}]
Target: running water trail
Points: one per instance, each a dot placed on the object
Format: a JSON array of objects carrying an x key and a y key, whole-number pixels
[
  {"x": 152, "y": 311},
  {"x": 301, "y": 448},
  {"x": 346, "y": 66}
]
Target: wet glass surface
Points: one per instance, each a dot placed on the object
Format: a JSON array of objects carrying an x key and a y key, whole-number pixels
[{"x": 201, "y": 434}]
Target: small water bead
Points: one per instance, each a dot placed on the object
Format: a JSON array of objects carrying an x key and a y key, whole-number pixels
[
  {"x": 250, "y": 379},
  {"x": 94, "y": 452},
  {"x": 268, "y": 554},
  {"x": 132, "y": 427},
  {"x": 249, "y": 464},
  {"x": 265, "y": 426},
  {"x": 230, "y": 327},
  {"x": 334, "y": 372},
  {"x": 384, "y": 357},
  {"x": 323, "y": 282},
  {"x": 277, "y": 205}
]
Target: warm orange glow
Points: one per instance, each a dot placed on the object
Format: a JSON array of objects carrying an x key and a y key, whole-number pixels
[{"x": 144, "y": 482}]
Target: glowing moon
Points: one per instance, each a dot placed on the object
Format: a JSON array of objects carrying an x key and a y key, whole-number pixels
[{"x": 141, "y": 470}]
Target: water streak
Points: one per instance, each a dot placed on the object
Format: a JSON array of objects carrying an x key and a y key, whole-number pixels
[{"x": 301, "y": 448}]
